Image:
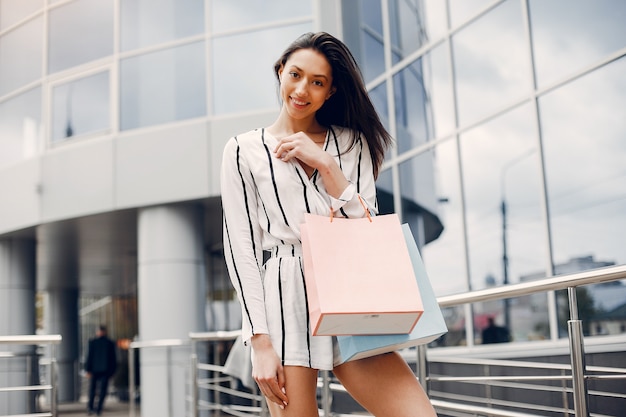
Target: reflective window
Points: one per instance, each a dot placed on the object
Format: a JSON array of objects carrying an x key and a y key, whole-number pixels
[
  {"x": 163, "y": 86},
  {"x": 505, "y": 230},
  {"x": 502, "y": 194},
  {"x": 438, "y": 82},
  {"x": 492, "y": 65},
  {"x": 227, "y": 15},
  {"x": 461, "y": 10},
  {"x": 80, "y": 31},
  {"x": 412, "y": 116},
  {"x": 384, "y": 192},
  {"x": 415, "y": 22},
  {"x": 81, "y": 106},
  {"x": 583, "y": 136},
  {"x": 12, "y": 11},
  {"x": 149, "y": 22},
  {"x": 378, "y": 96},
  {"x": 20, "y": 127},
  {"x": 571, "y": 34},
  {"x": 239, "y": 86},
  {"x": 445, "y": 257},
  {"x": 370, "y": 52},
  {"x": 20, "y": 56}
]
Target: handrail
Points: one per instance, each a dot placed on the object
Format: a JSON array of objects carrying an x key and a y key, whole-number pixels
[
  {"x": 28, "y": 340},
  {"x": 561, "y": 282},
  {"x": 53, "y": 339}
]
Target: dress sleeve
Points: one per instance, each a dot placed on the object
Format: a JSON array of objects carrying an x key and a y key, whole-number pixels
[
  {"x": 362, "y": 183},
  {"x": 242, "y": 238}
]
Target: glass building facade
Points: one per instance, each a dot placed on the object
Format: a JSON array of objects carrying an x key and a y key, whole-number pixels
[{"x": 508, "y": 119}]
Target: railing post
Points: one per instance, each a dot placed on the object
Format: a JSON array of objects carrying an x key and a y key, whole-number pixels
[
  {"x": 53, "y": 383},
  {"x": 326, "y": 395},
  {"x": 577, "y": 356},
  {"x": 194, "y": 380},
  {"x": 422, "y": 367},
  {"x": 131, "y": 380}
]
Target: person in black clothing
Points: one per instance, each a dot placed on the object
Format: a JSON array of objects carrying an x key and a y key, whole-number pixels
[
  {"x": 100, "y": 366},
  {"x": 495, "y": 334}
]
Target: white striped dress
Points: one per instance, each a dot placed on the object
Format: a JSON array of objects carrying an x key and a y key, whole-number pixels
[{"x": 264, "y": 200}]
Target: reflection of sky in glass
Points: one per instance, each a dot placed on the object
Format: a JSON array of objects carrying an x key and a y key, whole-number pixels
[
  {"x": 491, "y": 61},
  {"x": 570, "y": 34},
  {"x": 149, "y": 22},
  {"x": 228, "y": 15},
  {"x": 243, "y": 72},
  {"x": 12, "y": 11},
  {"x": 584, "y": 129},
  {"x": 20, "y": 56},
  {"x": 445, "y": 257},
  {"x": 20, "y": 127},
  {"x": 461, "y": 10},
  {"x": 412, "y": 122},
  {"x": 80, "y": 107},
  {"x": 500, "y": 161},
  {"x": 163, "y": 86},
  {"x": 80, "y": 31},
  {"x": 438, "y": 82}
]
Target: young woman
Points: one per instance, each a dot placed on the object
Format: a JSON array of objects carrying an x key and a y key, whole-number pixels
[{"x": 322, "y": 152}]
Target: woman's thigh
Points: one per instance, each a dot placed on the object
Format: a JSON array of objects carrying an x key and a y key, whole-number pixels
[
  {"x": 300, "y": 386},
  {"x": 385, "y": 386}
]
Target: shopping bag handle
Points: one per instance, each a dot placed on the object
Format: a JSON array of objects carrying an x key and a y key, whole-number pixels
[{"x": 367, "y": 212}]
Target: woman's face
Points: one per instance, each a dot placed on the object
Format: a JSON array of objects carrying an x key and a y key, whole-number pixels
[{"x": 306, "y": 82}]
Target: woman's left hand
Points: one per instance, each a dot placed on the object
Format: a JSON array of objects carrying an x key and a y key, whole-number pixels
[{"x": 302, "y": 147}]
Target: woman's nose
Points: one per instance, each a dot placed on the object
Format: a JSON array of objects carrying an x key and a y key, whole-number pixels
[{"x": 301, "y": 88}]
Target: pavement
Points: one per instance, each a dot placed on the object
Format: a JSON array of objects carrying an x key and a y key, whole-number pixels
[{"x": 112, "y": 408}]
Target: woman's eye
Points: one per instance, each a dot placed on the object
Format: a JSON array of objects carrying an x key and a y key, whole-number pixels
[
  {"x": 293, "y": 74},
  {"x": 318, "y": 83}
]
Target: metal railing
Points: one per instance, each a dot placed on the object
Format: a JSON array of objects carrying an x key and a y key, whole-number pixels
[
  {"x": 212, "y": 390},
  {"x": 32, "y": 387}
]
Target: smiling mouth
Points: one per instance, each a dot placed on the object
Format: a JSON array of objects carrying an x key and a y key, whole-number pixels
[{"x": 299, "y": 102}]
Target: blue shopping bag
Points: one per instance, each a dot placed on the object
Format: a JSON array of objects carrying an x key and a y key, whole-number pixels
[{"x": 429, "y": 327}]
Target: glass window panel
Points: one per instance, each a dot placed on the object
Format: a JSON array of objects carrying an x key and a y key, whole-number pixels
[
  {"x": 163, "y": 86},
  {"x": 12, "y": 11},
  {"x": 444, "y": 257},
  {"x": 503, "y": 200},
  {"x": 413, "y": 23},
  {"x": 238, "y": 87},
  {"x": 412, "y": 117},
  {"x": 571, "y": 34},
  {"x": 20, "y": 127},
  {"x": 436, "y": 21},
  {"x": 80, "y": 107},
  {"x": 583, "y": 128},
  {"x": 491, "y": 60},
  {"x": 80, "y": 31},
  {"x": 378, "y": 96},
  {"x": 384, "y": 192},
  {"x": 461, "y": 10},
  {"x": 149, "y": 22},
  {"x": 20, "y": 56},
  {"x": 227, "y": 15},
  {"x": 371, "y": 12},
  {"x": 438, "y": 82},
  {"x": 372, "y": 61}
]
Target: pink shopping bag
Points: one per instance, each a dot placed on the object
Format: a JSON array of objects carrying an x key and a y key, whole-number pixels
[{"x": 359, "y": 276}]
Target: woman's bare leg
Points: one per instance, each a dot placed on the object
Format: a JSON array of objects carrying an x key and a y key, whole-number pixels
[
  {"x": 301, "y": 386},
  {"x": 385, "y": 386}
]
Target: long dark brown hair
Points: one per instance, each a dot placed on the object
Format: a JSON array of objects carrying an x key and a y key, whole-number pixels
[{"x": 350, "y": 105}]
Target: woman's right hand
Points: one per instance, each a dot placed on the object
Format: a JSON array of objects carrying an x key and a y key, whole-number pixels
[{"x": 267, "y": 370}]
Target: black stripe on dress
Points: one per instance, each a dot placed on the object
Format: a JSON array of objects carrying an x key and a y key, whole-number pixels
[
  {"x": 308, "y": 320},
  {"x": 306, "y": 199},
  {"x": 358, "y": 175},
  {"x": 243, "y": 297},
  {"x": 282, "y": 311},
  {"x": 337, "y": 148},
  {"x": 271, "y": 165},
  {"x": 245, "y": 200}
]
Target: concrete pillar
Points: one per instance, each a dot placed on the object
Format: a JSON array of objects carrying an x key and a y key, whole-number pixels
[
  {"x": 171, "y": 301},
  {"x": 17, "y": 317},
  {"x": 62, "y": 318},
  {"x": 59, "y": 279}
]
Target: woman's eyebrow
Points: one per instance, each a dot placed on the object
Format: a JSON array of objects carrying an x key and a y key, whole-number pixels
[{"x": 314, "y": 75}]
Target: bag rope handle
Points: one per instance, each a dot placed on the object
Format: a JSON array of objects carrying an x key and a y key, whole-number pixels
[{"x": 367, "y": 212}]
